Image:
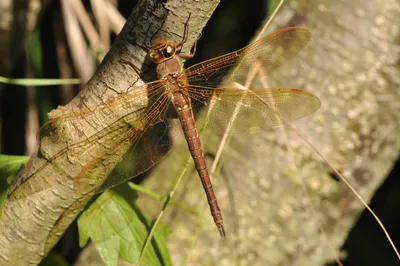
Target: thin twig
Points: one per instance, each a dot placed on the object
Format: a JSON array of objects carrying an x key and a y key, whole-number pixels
[
  {"x": 176, "y": 183},
  {"x": 99, "y": 11},
  {"x": 250, "y": 78},
  {"x": 264, "y": 28},
  {"x": 283, "y": 133},
  {"x": 81, "y": 58},
  {"x": 87, "y": 26},
  {"x": 352, "y": 189},
  {"x": 116, "y": 20}
]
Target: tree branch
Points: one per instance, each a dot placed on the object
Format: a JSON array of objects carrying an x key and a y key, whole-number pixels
[
  {"x": 350, "y": 64},
  {"x": 43, "y": 202}
]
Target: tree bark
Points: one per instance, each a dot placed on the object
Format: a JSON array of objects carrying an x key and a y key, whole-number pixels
[
  {"x": 352, "y": 65},
  {"x": 44, "y": 200}
]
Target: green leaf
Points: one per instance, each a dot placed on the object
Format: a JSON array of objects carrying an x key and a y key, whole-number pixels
[
  {"x": 118, "y": 229},
  {"x": 9, "y": 166},
  {"x": 53, "y": 260}
]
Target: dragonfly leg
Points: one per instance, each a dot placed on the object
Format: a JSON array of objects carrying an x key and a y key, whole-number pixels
[
  {"x": 185, "y": 33},
  {"x": 191, "y": 55},
  {"x": 184, "y": 39}
]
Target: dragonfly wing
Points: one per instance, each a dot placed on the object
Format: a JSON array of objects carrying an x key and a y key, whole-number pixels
[
  {"x": 251, "y": 110},
  {"x": 79, "y": 126},
  {"x": 143, "y": 150},
  {"x": 93, "y": 154},
  {"x": 269, "y": 52}
]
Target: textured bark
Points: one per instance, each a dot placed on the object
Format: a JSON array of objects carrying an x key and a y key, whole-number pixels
[
  {"x": 32, "y": 222},
  {"x": 352, "y": 65}
]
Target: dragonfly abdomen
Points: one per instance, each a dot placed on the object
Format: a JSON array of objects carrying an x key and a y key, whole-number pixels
[{"x": 183, "y": 106}]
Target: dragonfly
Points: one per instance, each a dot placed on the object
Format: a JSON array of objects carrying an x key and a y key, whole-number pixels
[{"x": 138, "y": 118}]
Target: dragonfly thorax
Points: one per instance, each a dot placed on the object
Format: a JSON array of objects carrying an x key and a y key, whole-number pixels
[{"x": 169, "y": 68}]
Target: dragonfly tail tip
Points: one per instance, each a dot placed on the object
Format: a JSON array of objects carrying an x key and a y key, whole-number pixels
[{"x": 222, "y": 231}]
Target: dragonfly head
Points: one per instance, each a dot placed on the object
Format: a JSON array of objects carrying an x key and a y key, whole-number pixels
[{"x": 162, "y": 50}]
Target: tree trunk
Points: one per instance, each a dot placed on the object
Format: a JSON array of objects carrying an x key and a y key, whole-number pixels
[
  {"x": 352, "y": 65},
  {"x": 44, "y": 200}
]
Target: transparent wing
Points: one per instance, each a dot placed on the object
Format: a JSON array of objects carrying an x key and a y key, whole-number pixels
[
  {"x": 272, "y": 51},
  {"x": 137, "y": 150},
  {"x": 251, "y": 110},
  {"x": 94, "y": 139},
  {"x": 78, "y": 126}
]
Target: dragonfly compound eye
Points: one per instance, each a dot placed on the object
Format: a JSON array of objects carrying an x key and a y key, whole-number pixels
[
  {"x": 156, "y": 56},
  {"x": 169, "y": 51}
]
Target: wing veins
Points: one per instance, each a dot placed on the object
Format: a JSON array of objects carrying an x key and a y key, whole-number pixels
[{"x": 93, "y": 138}]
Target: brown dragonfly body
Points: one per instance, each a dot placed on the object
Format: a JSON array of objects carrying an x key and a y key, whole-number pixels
[
  {"x": 127, "y": 124},
  {"x": 176, "y": 89}
]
